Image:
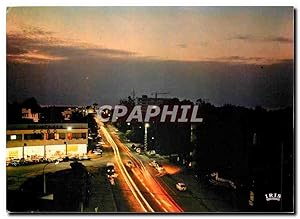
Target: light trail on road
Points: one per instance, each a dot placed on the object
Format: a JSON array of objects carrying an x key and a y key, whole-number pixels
[
  {"x": 132, "y": 186},
  {"x": 158, "y": 193}
]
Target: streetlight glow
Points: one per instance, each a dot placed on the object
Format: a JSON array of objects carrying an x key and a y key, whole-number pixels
[{"x": 147, "y": 125}]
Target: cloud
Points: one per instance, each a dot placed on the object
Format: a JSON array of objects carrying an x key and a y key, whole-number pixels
[
  {"x": 182, "y": 45},
  {"x": 36, "y": 31},
  {"x": 273, "y": 39},
  {"x": 242, "y": 37},
  {"x": 37, "y": 46},
  {"x": 278, "y": 39},
  {"x": 33, "y": 49},
  {"x": 235, "y": 59}
]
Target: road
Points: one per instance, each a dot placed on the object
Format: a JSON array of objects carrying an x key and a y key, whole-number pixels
[
  {"x": 149, "y": 194},
  {"x": 159, "y": 189}
]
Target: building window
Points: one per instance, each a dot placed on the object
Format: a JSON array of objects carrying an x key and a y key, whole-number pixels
[
  {"x": 50, "y": 136},
  {"x": 62, "y": 136},
  {"x": 76, "y": 135},
  {"x": 13, "y": 137},
  {"x": 33, "y": 136},
  {"x": 69, "y": 136},
  {"x": 79, "y": 135}
]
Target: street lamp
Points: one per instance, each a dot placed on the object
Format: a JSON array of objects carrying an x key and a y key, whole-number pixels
[
  {"x": 146, "y": 136},
  {"x": 57, "y": 162},
  {"x": 66, "y": 148}
]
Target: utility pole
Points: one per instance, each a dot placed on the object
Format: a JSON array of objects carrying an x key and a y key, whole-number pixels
[
  {"x": 156, "y": 121},
  {"x": 146, "y": 136}
]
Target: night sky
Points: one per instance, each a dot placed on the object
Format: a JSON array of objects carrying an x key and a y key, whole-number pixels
[{"x": 237, "y": 55}]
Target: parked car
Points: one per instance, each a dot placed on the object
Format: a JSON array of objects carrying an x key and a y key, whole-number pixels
[
  {"x": 152, "y": 152},
  {"x": 8, "y": 162},
  {"x": 23, "y": 162},
  {"x": 74, "y": 157},
  {"x": 66, "y": 159},
  {"x": 97, "y": 151},
  {"x": 214, "y": 179},
  {"x": 133, "y": 146},
  {"x": 181, "y": 186},
  {"x": 15, "y": 162},
  {"x": 84, "y": 157}
]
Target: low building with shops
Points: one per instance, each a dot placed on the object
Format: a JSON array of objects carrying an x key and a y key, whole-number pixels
[{"x": 31, "y": 141}]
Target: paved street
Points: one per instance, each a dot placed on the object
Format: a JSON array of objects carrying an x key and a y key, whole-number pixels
[{"x": 198, "y": 197}]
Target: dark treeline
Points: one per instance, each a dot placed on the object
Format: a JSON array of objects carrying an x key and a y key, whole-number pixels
[{"x": 253, "y": 147}]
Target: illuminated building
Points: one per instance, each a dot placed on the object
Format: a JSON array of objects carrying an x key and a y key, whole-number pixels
[{"x": 31, "y": 141}]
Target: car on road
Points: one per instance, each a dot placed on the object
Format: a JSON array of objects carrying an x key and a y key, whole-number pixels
[
  {"x": 181, "y": 186},
  {"x": 159, "y": 168},
  {"x": 153, "y": 163},
  {"x": 110, "y": 168},
  {"x": 129, "y": 164},
  {"x": 97, "y": 151},
  {"x": 99, "y": 143},
  {"x": 151, "y": 152}
]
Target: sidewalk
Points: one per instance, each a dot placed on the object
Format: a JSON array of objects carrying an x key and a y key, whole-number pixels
[{"x": 101, "y": 196}]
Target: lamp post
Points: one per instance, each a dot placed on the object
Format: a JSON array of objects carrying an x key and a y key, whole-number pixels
[
  {"x": 69, "y": 129},
  {"x": 146, "y": 136},
  {"x": 66, "y": 148},
  {"x": 44, "y": 175}
]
